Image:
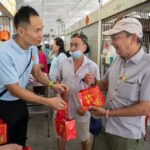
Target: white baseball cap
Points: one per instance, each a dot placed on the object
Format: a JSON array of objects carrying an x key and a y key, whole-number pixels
[{"x": 130, "y": 25}]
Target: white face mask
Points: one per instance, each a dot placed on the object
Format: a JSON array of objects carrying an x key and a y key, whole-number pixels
[{"x": 76, "y": 54}]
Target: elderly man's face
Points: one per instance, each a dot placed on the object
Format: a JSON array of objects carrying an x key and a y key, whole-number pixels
[
  {"x": 122, "y": 41},
  {"x": 77, "y": 44}
]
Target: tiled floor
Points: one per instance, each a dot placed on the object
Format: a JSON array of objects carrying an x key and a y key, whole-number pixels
[
  {"x": 38, "y": 139},
  {"x": 37, "y": 135},
  {"x": 38, "y": 130}
]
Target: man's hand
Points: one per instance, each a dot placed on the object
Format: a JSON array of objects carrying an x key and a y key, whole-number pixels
[
  {"x": 97, "y": 111},
  {"x": 61, "y": 88},
  {"x": 81, "y": 111},
  {"x": 11, "y": 147},
  {"x": 56, "y": 103},
  {"x": 89, "y": 78}
]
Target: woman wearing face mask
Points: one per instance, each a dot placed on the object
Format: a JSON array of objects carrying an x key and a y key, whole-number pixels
[
  {"x": 72, "y": 72},
  {"x": 59, "y": 51}
]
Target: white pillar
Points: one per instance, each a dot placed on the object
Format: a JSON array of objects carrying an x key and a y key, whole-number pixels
[
  {"x": 99, "y": 38},
  {"x": 11, "y": 27}
]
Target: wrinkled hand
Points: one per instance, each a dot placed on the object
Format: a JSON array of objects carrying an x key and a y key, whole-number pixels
[
  {"x": 89, "y": 78},
  {"x": 57, "y": 103},
  {"x": 61, "y": 88},
  {"x": 11, "y": 147},
  {"x": 81, "y": 111},
  {"x": 97, "y": 111}
]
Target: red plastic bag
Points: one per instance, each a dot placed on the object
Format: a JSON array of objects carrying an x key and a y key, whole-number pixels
[
  {"x": 3, "y": 132},
  {"x": 61, "y": 114},
  {"x": 90, "y": 97},
  {"x": 65, "y": 127},
  {"x": 27, "y": 148}
]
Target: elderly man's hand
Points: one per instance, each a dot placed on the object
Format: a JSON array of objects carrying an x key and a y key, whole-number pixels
[
  {"x": 97, "y": 111},
  {"x": 89, "y": 78}
]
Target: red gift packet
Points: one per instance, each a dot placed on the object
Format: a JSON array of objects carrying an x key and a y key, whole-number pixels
[
  {"x": 3, "y": 132},
  {"x": 90, "y": 97},
  {"x": 65, "y": 127}
]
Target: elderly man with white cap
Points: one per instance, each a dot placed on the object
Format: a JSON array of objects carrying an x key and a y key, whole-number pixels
[{"x": 128, "y": 85}]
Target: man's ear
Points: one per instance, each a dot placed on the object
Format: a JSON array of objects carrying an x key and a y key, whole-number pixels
[
  {"x": 134, "y": 38},
  {"x": 20, "y": 30},
  {"x": 85, "y": 47}
]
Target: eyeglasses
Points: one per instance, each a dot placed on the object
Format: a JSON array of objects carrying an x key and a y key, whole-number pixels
[{"x": 116, "y": 37}]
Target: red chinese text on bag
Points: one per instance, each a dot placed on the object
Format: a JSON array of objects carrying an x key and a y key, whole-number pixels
[
  {"x": 3, "y": 132},
  {"x": 90, "y": 97},
  {"x": 65, "y": 127}
]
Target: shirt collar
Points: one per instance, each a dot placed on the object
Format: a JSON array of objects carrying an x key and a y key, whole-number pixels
[
  {"x": 17, "y": 48},
  {"x": 137, "y": 57}
]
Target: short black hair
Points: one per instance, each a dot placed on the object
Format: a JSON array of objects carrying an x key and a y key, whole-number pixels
[
  {"x": 39, "y": 47},
  {"x": 23, "y": 15},
  {"x": 82, "y": 36},
  {"x": 87, "y": 49}
]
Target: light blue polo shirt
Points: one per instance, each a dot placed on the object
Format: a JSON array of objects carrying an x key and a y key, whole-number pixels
[{"x": 13, "y": 61}]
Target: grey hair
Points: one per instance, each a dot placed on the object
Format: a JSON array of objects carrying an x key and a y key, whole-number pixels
[{"x": 139, "y": 39}]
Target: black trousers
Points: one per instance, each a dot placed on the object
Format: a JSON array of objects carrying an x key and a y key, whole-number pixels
[{"x": 15, "y": 114}]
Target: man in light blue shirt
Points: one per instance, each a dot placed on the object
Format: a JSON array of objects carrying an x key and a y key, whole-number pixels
[{"x": 18, "y": 58}]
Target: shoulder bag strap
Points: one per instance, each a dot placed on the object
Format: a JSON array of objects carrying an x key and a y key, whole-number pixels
[{"x": 5, "y": 90}]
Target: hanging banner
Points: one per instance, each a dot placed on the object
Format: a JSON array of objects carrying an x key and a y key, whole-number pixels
[{"x": 87, "y": 20}]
